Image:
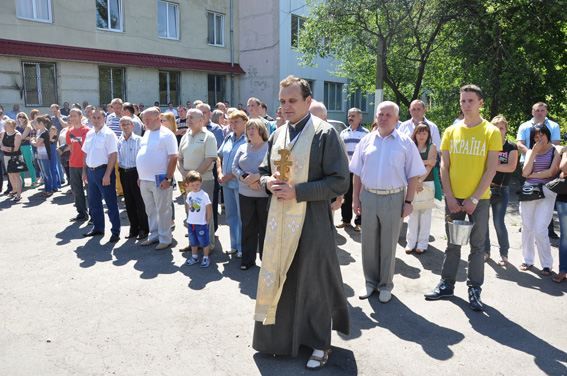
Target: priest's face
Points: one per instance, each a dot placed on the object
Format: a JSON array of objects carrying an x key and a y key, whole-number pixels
[{"x": 294, "y": 106}]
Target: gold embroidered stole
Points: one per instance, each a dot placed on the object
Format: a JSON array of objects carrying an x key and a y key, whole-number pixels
[{"x": 285, "y": 222}]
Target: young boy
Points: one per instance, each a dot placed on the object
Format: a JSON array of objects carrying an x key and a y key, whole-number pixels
[{"x": 200, "y": 211}]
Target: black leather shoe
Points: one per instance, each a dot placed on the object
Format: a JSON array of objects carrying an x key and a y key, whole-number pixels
[
  {"x": 93, "y": 233},
  {"x": 474, "y": 299},
  {"x": 553, "y": 235},
  {"x": 79, "y": 218},
  {"x": 442, "y": 290},
  {"x": 142, "y": 235},
  {"x": 114, "y": 238},
  {"x": 130, "y": 236}
]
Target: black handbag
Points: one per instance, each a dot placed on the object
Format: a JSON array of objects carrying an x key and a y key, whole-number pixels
[
  {"x": 530, "y": 192},
  {"x": 16, "y": 163},
  {"x": 558, "y": 186}
]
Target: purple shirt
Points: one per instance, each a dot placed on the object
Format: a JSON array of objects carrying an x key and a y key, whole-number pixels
[
  {"x": 541, "y": 163},
  {"x": 386, "y": 162}
]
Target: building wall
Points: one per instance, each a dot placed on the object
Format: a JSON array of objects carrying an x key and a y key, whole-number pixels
[
  {"x": 259, "y": 51},
  {"x": 10, "y": 81}
]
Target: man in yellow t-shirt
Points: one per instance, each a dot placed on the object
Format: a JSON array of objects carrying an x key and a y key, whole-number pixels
[{"x": 469, "y": 156}]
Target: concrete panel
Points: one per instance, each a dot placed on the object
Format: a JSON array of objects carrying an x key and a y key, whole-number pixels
[
  {"x": 10, "y": 82},
  {"x": 142, "y": 85}
]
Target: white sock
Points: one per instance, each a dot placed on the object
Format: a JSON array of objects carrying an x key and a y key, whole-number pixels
[
  {"x": 314, "y": 363},
  {"x": 205, "y": 257},
  {"x": 195, "y": 257}
]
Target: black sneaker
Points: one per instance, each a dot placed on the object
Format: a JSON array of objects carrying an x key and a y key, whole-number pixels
[
  {"x": 553, "y": 235},
  {"x": 474, "y": 299},
  {"x": 442, "y": 290}
]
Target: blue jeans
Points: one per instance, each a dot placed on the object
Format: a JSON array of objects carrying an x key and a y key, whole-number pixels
[
  {"x": 499, "y": 205},
  {"x": 45, "y": 167},
  {"x": 562, "y": 214},
  {"x": 96, "y": 192},
  {"x": 232, "y": 208},
  {"x": 53, "y": 164}
]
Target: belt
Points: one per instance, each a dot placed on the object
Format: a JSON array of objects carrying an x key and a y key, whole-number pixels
[
  {"x": 385, "y": 191},
  {"x": 121, "y": 169},
  {"x": 97, "y": 167}
]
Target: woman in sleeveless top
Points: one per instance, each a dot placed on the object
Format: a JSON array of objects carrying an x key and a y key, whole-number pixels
[
  {"x": 25, "y": 128},
  {"x": 540, "y": 167},
  {"x": 10, "y": 141},
  {"x": 500, "y": 191},
  {"x": 419, "y": 222}
]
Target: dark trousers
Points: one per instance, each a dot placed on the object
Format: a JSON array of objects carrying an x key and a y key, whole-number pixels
[
  {"x": 135, "y": 207},
  {"x": 253, "y": 215},
  {"x": 97, "y": 192},
  {"x": 346, "y": 207},
  {"x": 215, "y": 198},
  {"x": 76, "y": 182}
]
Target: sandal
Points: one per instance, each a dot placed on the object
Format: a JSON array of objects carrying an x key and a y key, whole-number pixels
[
  {"x": 525, "y": 266},
  {"x": 419, "y": 251},
  {"x": 321, "y": 359},
  {"x": 560, "y": 277},
  {"x": 17, "y": 198},
  {"x": 503, "y": 261},
  {"x": 546, "y": 272},
  {"x": 409, "y": 251}
]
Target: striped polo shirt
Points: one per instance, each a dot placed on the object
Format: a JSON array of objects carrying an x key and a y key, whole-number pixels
[
  {"x": 113, "y": 122},
  {"x": 351, "y": 138}
]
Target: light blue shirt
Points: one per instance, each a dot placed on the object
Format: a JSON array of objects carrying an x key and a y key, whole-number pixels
[
  {"x": 525, "y": 129},
  {"x": 128, "y": 150},
  {"x": 386, "y": 162},
  {"x": 227, "y": 152}
]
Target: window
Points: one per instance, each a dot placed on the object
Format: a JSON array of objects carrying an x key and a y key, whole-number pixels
[
  {"x": 215, "y": 24},
  {"x": 358, "y": 99},
  {"x": 168, "y": 20},
  {"x": 36, "y": 10},
  {"x": 296, "y": 26},
  {"x": 216, "y": 88},
  {"x": 168, "y": 87},
  {"x": 333, "y": 96},
  {"x": 111, "y": 84},
  {"x": 40, "y": 86},
  {"x": 312, "y": 86},
  {"x": 109, "y": 14}
]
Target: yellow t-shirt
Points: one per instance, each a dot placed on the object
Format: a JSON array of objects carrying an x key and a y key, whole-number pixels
[{"x": 468, "y": 149}]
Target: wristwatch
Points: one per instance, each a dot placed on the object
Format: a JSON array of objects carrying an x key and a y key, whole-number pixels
[{"x": 474, "y": 200}]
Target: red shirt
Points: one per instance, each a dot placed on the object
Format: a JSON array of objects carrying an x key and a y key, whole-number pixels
[{"x": 75, "y": 138}]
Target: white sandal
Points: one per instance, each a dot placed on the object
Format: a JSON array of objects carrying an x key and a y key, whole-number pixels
[{"x": 321, "y": 359}]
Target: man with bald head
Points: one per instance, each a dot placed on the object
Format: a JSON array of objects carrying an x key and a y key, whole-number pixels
[
  {"x": 198, "y": 152},
  {"x": 417, "y": 111},
  {"x": 318, "y": 109},
  {"x": 156, "y": 161},
  {"x": 386, "y": 166}
]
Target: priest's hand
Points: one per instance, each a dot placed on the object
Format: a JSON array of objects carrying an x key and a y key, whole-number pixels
[{"x": 283, "y": 190}]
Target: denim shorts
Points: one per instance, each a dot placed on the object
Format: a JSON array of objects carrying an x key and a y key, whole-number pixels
[{"x": 199, "y": 235}]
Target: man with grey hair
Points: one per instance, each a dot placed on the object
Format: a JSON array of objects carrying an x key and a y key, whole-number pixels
[
  {"x": 198, "y": 151},
  {"x": 386, "y": 166},
  {"x": 318, "y": 109},
  {"x": 155, "y": 163},
  {"x": 351, "y": 136},
  {"x": 417, "y": 111}
]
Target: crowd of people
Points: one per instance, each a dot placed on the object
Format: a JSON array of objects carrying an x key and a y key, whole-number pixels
[{"x": 279, "y": 180}]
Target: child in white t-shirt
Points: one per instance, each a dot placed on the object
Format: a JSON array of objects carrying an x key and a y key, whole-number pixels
[{"x": 200, "y": 212}]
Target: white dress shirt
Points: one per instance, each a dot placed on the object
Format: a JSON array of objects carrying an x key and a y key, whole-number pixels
[
  {"x": 98, "y": 146},
  {"x": 408, "y": 126}
]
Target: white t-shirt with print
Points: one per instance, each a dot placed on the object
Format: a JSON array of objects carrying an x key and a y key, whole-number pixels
[{"x": 197, "y": 202}]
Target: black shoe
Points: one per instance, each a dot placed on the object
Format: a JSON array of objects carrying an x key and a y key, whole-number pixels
[
  {"x": 442, "y": 290},
  {"x": 142, "y": 235},
  {"x": 114, "y": 238},
  {"x": 6, "y": 192},
  {"x": 553, "y": 235},
  {"x": 131, "y": 235},
  {"x": 79, "y": 218},
  {"x": 474, "y": 299},
  {"x": 93, "y": 233},
  {"x": 91, "y": 222}
]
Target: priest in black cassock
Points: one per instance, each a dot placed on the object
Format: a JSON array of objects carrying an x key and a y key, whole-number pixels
[{"x": 300, "y": 296}]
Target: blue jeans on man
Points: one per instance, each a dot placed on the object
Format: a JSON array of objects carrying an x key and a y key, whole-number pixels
[{"x": 96, "y": 192}]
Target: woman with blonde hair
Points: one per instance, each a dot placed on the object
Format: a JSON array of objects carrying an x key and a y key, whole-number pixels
[
  {"x": 10, "y": 142},
  {"x": 167, "y": 119},
  {"x": 253, "y": 200}
]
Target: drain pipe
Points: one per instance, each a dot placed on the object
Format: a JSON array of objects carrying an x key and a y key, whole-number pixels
[{"x": 231, "y": 52}]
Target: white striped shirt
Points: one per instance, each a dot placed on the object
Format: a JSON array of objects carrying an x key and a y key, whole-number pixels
[
  {"x": 128, "y": 150},
  {"x": 351, "y": 138}
]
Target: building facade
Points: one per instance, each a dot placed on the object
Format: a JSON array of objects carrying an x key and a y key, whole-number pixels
[
  {"x": 269, "y": 33},
  {"x": 143, "y": 51}
]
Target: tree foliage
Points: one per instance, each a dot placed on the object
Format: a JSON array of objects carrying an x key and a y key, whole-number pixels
[{"x": 514, "y": 49}]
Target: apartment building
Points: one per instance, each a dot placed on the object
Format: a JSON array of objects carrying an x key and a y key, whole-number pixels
[
  {"x": 52, "y": 51},
  {"x": 269, "y": 35}
]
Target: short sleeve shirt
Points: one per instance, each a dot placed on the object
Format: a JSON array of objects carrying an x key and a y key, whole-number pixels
[
  {"x": 197, "y": 207},
  {"x": 468, "y": 149},
  {"x": 155, "y": 148},
  {"x": 75, "y": 138},
  {"x": 194, "y": 149},
  {"x": 98, "y": 146}
]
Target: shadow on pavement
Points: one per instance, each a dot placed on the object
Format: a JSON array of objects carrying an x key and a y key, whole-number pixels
[
  {"x": 432, "y": 260},
  {"x": 497, "y": 327},
  {"x": 247, "y": 279},
  {"x": 72, "y": 231},
  {"x": 96, "y": 249},
  {"x": 435, "y": 340},
  {"x": 531, "y": 278},
  {"x": 147, "y": 260},
  {"x": 341, "y": 362}
]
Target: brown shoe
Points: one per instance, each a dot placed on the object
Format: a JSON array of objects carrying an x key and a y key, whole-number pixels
[
  {"x": 343, "y": 225},
  {"x": 356, "y": 228}
]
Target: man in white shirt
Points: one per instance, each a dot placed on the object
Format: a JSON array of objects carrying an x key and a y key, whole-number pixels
[
  {"x": 156, "y": 161},
  {"x": 100, "y": 148},
  {"x": 417, "y": 111}
]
